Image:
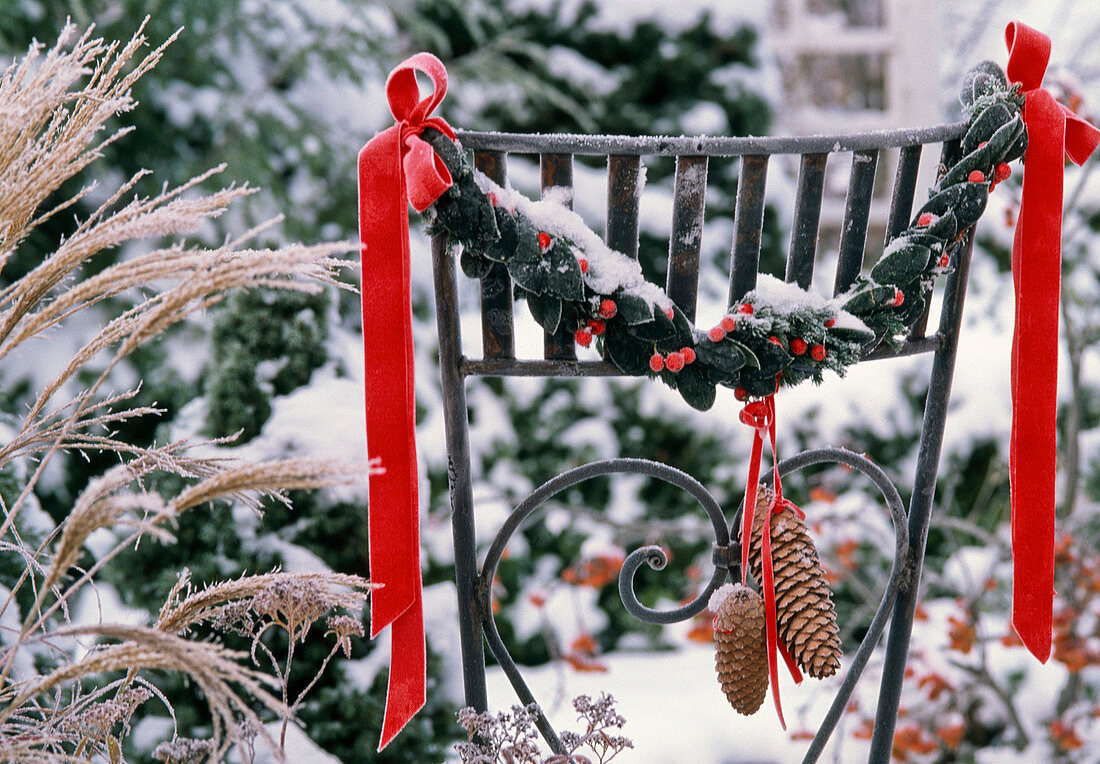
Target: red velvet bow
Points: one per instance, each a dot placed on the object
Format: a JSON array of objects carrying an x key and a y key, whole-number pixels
[
  {"x": 1052, "y": 130},
  {"x": 396, "y": 167},
  {"x": 760, "y": 415}
]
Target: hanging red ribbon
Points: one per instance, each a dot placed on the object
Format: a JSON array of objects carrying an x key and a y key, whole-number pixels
[
  {"x": 1052, "y": 131},
  {"x": 395, "y": 168},
  {"x": 760, "y": 415}
]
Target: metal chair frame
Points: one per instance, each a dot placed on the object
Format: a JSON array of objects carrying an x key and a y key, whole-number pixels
[{"x": 476, "y": 623}]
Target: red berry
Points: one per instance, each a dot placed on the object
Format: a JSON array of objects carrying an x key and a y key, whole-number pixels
[
  {"x": 670, "y": 313},
  {"x": 583, "y": 264},
  {"x": 657, "y": 362},
  {"x": 983, "y": 144},
  {"x": 583, "y": 337},
  {"x": 608, "y": 309},
  {"x": 830, "y": 323},
  {"x": 945, "y": 260},
  {"x": 1001, "y": 172},
  {"x": 544, "y": 241},
  {"x": 775, "y": 341},
  {"x": 717, "y": 334},
  {"x": 977, "y": 176},
  {"x": 798, "y": 346},
  {"x": 899, "y": 297},
  {"x": 745, "y": 308},
  {"x": 492, "y": 198},
  {"x": 817, "y": 352},
  {"x": 740, "y": 393},
  {"x": 727, "y": 323},
  {"x": 596, "y": 326},
  {"x": 688, "y": 354},
  {"x": 925, "y": 219},
  {"x": 674, "y": 362}
]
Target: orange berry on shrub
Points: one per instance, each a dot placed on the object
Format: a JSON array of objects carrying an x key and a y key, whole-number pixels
[
  {"x": 976, "y": 176},
  {"x": 544, "y": 241},
  {"x": 717, "y": 334},
  {"x": 798, "y": 346},
  {"x": 583, "y": 337},
  {"x": 688, "y": 354},
  {"x": 817, "y": 352},
  {"x": 608, "y": 309},
  {"x": 657, "y": 362},
  {"x": 674, "y": 361},
  {"x": 596, "y": 326},
  {"x": 727, "y": 323}
]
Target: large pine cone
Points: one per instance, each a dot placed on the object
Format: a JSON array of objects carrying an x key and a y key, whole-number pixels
[
  {"x": 741, "y": 649},
  {"x": 804, "y": 611}
]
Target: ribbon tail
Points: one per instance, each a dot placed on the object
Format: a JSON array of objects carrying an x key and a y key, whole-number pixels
[
  {"x": 1037, "y": 258},
  {"x": 768, "y": 585},
  {"x": 407, "y": 660},
  {"x": 748, "y": 515},
  {"x": 393, "y": 511}
]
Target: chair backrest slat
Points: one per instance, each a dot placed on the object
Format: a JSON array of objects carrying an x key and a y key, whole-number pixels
[
  {"x": 622, "y": 203},
  {"x": 807, "y": 216},
  {"x": 497, "y": 327},
  {"x": 857, "y": 210},
  {"x": 685, "y": 243},
  {"x": 905, "y": 186},
  {"x": 557, "y": 172},
  {"x": 748, "y": 221}
]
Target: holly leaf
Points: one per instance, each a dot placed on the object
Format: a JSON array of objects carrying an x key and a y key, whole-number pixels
[
  {"x": 869, "y": 299},
  {"x": 624, "y": 350},
  {"x": 529, "y": 265},
  {"x": 725, "y": 356},
  {"x": 991, "y": 119},
  {"x": 566, "y": 279},
  {"x": 659, "y": 329},
  {"x": 697, "y": 390},
  {"x": 902, "y": 263},
  {"x": 966, "y": 200},
  {"x": 546, "y": 309},
  {"x": 633, "y": 309},
  {"x": 473, "y": 264},
  {"x": 504, "y": 247},
  {"x": 751, "y": 358}
]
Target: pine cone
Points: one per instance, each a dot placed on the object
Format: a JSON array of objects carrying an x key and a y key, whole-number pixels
[
  {"x": 804, "y": 612},
  {"x": 740, "y": 650}
]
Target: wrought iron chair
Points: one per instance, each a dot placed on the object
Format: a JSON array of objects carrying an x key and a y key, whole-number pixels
[{"x": 623, "y": 154}]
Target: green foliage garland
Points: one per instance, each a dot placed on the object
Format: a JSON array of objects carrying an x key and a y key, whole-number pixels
[{"x": 778, "y": 334}]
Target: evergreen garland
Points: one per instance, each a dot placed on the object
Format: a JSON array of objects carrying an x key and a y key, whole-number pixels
[{"x": 779, "y": 334}]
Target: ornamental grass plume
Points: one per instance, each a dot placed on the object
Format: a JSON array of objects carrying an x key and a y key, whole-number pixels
[{"x": 68, "y": 691}]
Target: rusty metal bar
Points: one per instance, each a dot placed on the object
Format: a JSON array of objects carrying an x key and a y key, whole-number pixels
[
  {"x": 663, "y": 145},
  {"x": 497, "y": 326},
  {"x": 905, "y": 187},
  {"x": 857, "y": 211},
  {"x": 622, "y": 204},
  {"x": 689, "y": 195},
  {"x": 748, "y": 220},
  {"x": 557, "y": 172},
  {"x": 807, "y": 217}
]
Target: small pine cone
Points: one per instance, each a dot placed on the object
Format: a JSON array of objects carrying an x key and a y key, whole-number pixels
[
  {"x": 741, "y": 649},
  {"x": 804, "y": 612}
]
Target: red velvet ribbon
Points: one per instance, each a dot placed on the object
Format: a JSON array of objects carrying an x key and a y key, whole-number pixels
[
  {"x": 395, "y": 168},
  {"x": 760, "y": 415},
  {"x": 1052, "y": 130}
]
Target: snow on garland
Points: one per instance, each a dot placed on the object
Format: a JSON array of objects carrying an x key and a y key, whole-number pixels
[{"x": 779, "y": 334}]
